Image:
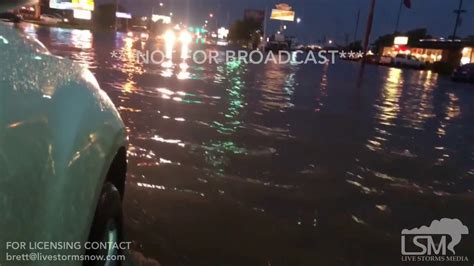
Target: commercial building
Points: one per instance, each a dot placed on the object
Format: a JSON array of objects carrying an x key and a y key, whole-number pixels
[{"x": 455, "y": 52}]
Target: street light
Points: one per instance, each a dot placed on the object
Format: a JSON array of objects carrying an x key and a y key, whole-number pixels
[
  {"x": 161, "y": 4},
  {"x": 211, "y": 15},
  {"x": 298, "y": 20}
]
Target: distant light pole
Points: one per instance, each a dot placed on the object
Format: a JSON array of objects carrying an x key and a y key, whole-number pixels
[{"x": 211, "y": 17}]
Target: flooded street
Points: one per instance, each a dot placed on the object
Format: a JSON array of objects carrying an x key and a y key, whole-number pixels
[{"x": 239, "y": 164}]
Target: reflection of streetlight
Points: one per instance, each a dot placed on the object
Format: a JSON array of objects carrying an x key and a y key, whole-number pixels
[
  {"x": 298, "y": 20},
  {"x": 169, "y": 43}
]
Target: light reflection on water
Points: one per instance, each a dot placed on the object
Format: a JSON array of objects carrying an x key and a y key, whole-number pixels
[{"x": 236, "y": 149}]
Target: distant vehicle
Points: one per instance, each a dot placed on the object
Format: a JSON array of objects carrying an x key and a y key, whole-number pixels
[
  {"x": 276, "y": 46},
  {"x": 139, "y": 32},
  {"x": 300, "y": 47},
  {"x": 10, "y": 17},
  {"x": 53, "y": 19},
  {"x": 408, "y": 61},
  {"x": 385, "y": 60},
  {"x": 464, "y": 73}
]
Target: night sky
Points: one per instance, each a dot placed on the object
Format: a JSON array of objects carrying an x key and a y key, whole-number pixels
[{"x": 331, "y": 18}]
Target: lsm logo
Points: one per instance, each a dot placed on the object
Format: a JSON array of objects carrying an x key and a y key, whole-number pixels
[{"x": 432, "y": 243}]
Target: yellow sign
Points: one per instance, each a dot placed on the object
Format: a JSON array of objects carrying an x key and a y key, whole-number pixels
[
  {"x": 83, "y": 5},
  {"x": 283, "y": 6},
  {"x": 283, "y": 15}
]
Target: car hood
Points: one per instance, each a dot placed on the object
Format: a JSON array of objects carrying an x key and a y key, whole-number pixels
[{"x": 58, "y": 135}]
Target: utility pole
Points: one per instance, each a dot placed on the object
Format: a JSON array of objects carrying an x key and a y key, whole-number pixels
[
  {"x": 458, "y": 12},
  {"x": 368, "y": 29},
  {"x": 399, "y": 15}
]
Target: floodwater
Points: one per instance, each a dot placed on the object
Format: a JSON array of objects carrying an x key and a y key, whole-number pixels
[{"x": 238, "y": 164}]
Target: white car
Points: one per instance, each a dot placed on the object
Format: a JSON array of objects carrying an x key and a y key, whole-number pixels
[
  {"x": 62, "y": 154},
  {"x": 408, "y": 61},
  {"x": 52, "y": 19}
]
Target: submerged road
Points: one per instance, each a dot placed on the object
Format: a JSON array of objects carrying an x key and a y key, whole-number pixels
[{"x": 239, "y": 164}]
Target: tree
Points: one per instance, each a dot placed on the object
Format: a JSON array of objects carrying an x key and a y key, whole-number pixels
[
  {"x": 384, "y": 41},
  {"x": 354, "y": 46},
  {"x": 244, "y": 31}
]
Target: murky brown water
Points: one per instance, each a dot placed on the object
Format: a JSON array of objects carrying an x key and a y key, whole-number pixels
[{"x": 237, "y": 164}]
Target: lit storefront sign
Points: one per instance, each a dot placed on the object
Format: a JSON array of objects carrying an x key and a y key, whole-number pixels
[
  {"x": 400, "y": 40},
  {"x": 284, "y": 15},
  {"x": 123, "y": 15},
  {"x": 422, "y": 54},
  {"x": 60, "y": 4},
  {"x": 467, "y": 55},
  {"x": 82, "y": 14},
  {"x": 83, "y": 5},
  {"x": 165, "y": 19},
  {"x": 222, "y": 33},
  {"x": 72, "y": 4}
]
